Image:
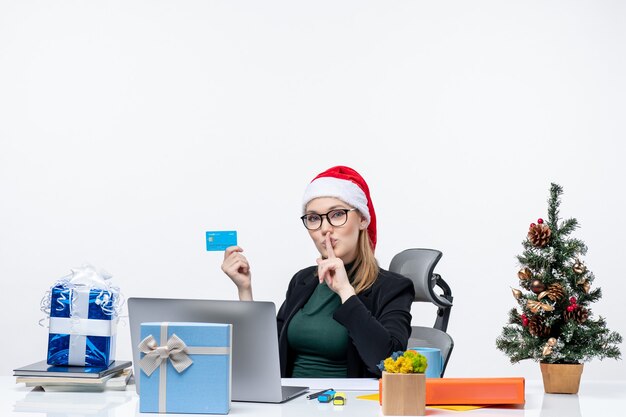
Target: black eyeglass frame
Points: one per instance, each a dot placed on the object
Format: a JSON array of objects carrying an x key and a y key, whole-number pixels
[{"x": 346, "y": 211}]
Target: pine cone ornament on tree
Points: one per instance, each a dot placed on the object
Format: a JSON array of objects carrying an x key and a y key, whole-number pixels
[
  {"x": 578, "y": 313},
  {"x": 554, "y": 292},
  {"x": 537, "y": 327},
  {"x": 539, "y": 234},
  {"x": 581, "y": 315}
]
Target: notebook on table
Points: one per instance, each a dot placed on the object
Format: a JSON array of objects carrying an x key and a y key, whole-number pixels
[
  {"x": 43, "y": 369},
  {"x": 255, "y": 360}
]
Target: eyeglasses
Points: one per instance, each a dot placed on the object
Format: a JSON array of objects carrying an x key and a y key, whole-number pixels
[{"x": 336, "y": 217}]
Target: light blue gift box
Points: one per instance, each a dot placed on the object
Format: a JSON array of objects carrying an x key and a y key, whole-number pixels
[{"x": 185, "y": 368}]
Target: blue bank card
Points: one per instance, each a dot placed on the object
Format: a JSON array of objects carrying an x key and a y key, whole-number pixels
[{"x": 220, "y": 240}]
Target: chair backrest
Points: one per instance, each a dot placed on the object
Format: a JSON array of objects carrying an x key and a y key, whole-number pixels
[
  {"x": 429, "y": 337},
  {"x": 419, "y": 265}
]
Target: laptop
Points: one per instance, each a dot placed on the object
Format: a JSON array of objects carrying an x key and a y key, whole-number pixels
[{"x": 255, "y": 361}]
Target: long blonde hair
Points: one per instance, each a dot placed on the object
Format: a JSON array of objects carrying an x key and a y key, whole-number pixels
[{"x": 365, "y": 268}]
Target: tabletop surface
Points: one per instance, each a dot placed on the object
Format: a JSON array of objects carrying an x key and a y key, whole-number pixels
[{"x": 595, "y": 398}]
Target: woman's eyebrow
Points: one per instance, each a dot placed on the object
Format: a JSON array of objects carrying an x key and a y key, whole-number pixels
[{"x": 329, "y": 209}]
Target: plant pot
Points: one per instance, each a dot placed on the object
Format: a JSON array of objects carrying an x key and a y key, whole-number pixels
[
  {"x": 404, "y": 394},
  {"x": 561, "y": 378}
]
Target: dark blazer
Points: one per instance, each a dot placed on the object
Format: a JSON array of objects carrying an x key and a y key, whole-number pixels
[{"x": 378, "y": 320}]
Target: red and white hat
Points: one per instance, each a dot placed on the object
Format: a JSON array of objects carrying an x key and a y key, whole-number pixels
[{"x": 347, "y": 185}]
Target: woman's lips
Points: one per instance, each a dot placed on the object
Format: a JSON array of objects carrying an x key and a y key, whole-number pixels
[{"x": 333, "y": 242}]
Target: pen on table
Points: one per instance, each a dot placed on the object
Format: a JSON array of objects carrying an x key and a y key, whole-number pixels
[{"x": 317, "y": 394}]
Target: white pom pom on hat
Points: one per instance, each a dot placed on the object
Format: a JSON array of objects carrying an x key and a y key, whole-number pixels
[{"x": 347, "y": 185}]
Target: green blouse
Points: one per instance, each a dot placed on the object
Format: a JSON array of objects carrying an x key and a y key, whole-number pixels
[{"x": 319, "y": 343}]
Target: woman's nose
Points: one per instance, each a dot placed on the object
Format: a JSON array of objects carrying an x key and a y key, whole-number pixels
[{"x": 326, "y": 226}]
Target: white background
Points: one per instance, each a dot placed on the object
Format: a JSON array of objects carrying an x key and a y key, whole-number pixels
[{"x": 129, "y": 128}]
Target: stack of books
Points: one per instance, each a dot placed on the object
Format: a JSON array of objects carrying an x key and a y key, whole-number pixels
[{"x": 75, "y": 378}]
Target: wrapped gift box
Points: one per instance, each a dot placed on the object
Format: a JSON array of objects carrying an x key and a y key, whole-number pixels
[
  {"x": 185, "y": 368},
  {"x": 475, "y": 391},
  {"x": 472, "y": 391},
  {"x": 83, "y": 326}
]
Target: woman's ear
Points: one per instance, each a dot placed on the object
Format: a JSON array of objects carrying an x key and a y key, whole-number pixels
[{"x": 363, "y": 224}]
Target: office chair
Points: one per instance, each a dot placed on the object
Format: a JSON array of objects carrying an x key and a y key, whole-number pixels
[{"x": 418, "y": 265}]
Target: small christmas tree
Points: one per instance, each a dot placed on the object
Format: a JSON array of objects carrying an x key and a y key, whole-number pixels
[{"x": 554, "y": 323}]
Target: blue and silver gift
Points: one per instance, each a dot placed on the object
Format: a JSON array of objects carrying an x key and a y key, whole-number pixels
[
  {"x": 83, "y": 309},
  {"x": 185, "y": 368}
]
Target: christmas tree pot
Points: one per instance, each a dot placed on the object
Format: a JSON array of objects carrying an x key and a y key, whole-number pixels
[
  {"x": 561, "y": 378},
  {"x": 404, "y": 394}
]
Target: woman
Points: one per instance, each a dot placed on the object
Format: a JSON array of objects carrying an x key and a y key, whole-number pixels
[{"x": 343, "y": 316}]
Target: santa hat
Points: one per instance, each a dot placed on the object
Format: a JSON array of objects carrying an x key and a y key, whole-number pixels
[{"x": 347, "y": 185}]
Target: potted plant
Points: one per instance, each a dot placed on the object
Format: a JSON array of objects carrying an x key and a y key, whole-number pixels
[
  {"x": 553, "y": 322},
  {"x": 404, "y": 384}
]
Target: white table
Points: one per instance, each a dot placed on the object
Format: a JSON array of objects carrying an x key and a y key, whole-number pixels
[{"x": 596, "y": 398}]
